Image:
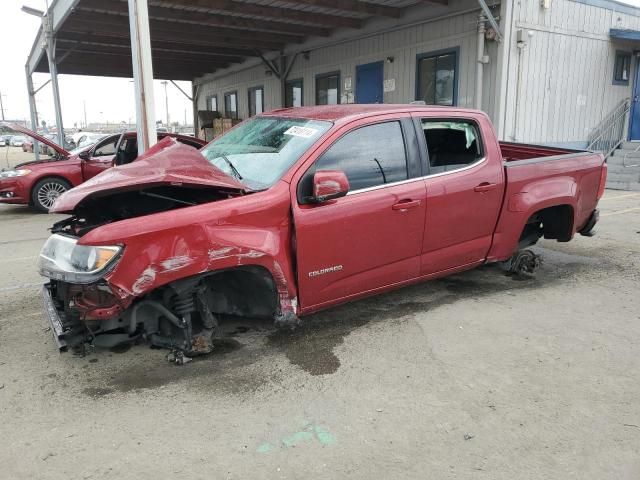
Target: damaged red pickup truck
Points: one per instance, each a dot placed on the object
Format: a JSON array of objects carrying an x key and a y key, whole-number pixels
[{"x": 298, "y": 210}]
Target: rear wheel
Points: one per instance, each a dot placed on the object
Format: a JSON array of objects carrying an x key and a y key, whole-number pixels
[{"x": 47, "y": 191}]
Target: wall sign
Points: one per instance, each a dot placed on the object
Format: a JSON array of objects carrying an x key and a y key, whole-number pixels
[{"x": 389, "y": 85}]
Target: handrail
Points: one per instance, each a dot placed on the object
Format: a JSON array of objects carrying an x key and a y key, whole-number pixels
[{"x": 609, "y": 134}]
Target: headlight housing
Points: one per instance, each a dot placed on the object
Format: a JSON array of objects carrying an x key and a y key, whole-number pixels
[
  {"x": 14, "y": 173},
  {"x": 62, "y": 258}
]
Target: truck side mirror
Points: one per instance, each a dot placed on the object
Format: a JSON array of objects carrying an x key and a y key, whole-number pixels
[{"x": 328, "y": 185}]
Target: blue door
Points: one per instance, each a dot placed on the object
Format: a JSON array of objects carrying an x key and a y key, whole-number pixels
[
  {"x": 634, "y": 120},
  {"x": 369, "y": 79}
]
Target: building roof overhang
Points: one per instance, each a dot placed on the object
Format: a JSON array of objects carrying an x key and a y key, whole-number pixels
[{"x": 191, "y": 38}]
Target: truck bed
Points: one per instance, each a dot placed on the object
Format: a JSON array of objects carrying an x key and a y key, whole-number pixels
[
  {"x": 539, "y": 177},
  {"x": 512, "y": 152}
]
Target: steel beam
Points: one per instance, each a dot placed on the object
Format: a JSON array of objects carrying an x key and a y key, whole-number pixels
[
  {"x": 50, "y": 48},
  {"x": 167, "y": 13},
  {"x": 356, "y": 6},
  {"x": 181, "y": 90},
  {"x": 118, "y": 43},
  {"x": 267, "y": 11},
  {"x": 489, "y": 14},
  {"x": 58, "y": 12}
]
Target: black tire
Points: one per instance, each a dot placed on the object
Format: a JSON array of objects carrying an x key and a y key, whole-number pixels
[{"x": 46, "y": 191}]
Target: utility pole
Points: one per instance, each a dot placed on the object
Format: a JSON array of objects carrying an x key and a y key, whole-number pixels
[
  {"x": 166, "y": 101},
  {"x": 84, "y": 105},
  {"x": 1, "y": 106},
  {"x": 142, "y": 74}
]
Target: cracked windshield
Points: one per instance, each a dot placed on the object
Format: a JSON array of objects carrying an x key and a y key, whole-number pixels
[{"x": 258, "y": 152}]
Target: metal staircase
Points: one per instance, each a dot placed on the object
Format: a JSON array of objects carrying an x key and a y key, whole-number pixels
[
  {"x": 610, "y": 133},
  {"x": 623, "y": 158},
  {"x": 624, "y": 167}
]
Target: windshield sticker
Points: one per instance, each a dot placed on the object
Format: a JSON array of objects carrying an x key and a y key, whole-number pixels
[{"x": 304, "y": 132}]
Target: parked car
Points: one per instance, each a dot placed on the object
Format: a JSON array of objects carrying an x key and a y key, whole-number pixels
[
  {"x": 299, "y": 210},
  {"x": 40, "y": 183},
  {"x": 17, "y": 140},
  {"x": 89, "y": 139},
  {"x": 27, "y": 145},
  {"x": 5, "y": 140}
]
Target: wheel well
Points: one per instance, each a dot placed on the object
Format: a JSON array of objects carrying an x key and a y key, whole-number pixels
[
  {"x": 46, "y": 177},
  {"x": 245, "y": 291},
  {"x": 552, "y": 223}
]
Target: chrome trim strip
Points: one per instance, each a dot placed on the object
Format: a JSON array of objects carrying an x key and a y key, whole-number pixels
[
  {"x": 462, "y": 169},
  {"x": 530, "y": 161},
  {"x": 402, "y": 182}
]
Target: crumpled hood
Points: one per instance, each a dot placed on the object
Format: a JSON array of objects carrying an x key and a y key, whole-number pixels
[{"x": 167, "y": 163}]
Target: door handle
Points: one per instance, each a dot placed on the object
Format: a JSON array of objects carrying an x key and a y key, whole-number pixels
[
  {"x": 406, "y": 204},
  {"x": 485, "y": 187}
]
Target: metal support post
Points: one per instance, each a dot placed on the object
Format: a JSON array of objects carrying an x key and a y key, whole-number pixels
[
  {"x": 196, "y": 122},
  {"x": 32, "y": 111},
  {"x": 50, "y": 47},
  {"x": 142, "y": 74}
]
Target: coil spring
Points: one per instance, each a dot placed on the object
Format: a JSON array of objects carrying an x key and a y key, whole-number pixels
[{"x": 184, "y": 304}]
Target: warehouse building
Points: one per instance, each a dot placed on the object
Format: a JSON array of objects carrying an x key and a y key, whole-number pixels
[{"x": 546, "y": 71}]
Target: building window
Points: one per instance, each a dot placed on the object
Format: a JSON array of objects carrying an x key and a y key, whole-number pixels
[
  {"x": 256, "y": 101},
  {"x": 231, "y": 104},
  {"x": 212, "y": 103},
  {"x": 622, "y": 68},
  {"x": 328, "y": 89},
  {"x": 293, "y": 95},
  {"x": 437, "y": 76}
]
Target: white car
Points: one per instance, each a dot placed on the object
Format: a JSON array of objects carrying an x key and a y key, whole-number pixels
[
  {"x": 89, "y": 139},
  {"x": 17, "y": 141}
]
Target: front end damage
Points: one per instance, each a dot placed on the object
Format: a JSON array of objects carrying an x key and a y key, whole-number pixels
[
  {"x": 162, "y": 256},
  {"x": 184, "y": 315}
]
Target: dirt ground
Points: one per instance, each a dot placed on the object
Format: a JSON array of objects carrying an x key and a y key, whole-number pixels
[{"x": 476, "y": 376}]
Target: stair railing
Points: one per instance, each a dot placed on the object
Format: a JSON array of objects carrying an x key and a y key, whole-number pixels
[{"x": 610, "y": 132}]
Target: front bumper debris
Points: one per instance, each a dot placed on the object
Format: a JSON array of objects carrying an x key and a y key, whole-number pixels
[{"x": 51, "y": 313}]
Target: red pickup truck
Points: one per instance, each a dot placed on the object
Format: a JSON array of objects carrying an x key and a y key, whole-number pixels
[
  {"x": 39, "y": 183},
  {"x": 298, "y": 210}
]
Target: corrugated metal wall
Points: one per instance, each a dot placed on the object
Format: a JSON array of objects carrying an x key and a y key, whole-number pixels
[
  {"x": 566, "y": 84},
  {"x": 403, "y": 45}
]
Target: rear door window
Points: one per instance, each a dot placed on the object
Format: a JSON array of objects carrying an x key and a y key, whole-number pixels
[
  {"x": 370, "y": 156},
  {"x": 451, "y": 144}
]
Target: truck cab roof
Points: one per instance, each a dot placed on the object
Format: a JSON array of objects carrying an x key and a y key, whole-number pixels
[{"x": 334, "y": 113}]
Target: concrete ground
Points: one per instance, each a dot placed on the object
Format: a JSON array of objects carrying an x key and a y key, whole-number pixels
[
  {"x": 474, "y": 376},
  {"x": 12, "y": 156}
]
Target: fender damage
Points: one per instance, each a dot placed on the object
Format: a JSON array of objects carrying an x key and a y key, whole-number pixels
[{"x": 177, "y": 275}]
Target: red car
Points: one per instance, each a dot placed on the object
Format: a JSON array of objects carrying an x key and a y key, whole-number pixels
[
  {"x": 298, "y": 210},
  {"x": 39, "y": 183}
]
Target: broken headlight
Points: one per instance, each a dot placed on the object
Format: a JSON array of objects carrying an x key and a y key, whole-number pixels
[{"x": 62, "y": 258}]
